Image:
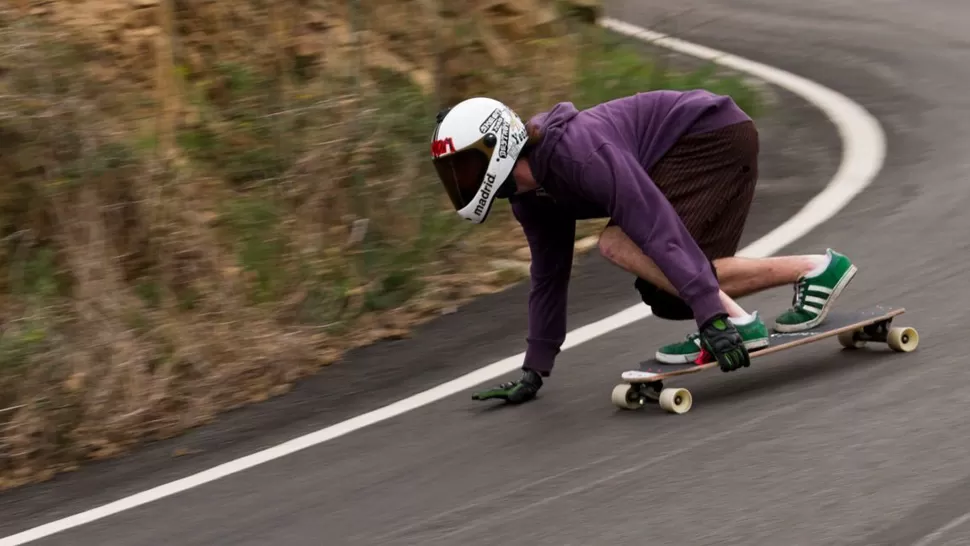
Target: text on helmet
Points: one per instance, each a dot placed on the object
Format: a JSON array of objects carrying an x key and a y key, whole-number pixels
[
  {"x": 485, "y": 193},
  {"x": 491, "y": 122}
]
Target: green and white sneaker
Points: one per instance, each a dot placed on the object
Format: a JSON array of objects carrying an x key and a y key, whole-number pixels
[
  {"x": 754, "y": 333},
  {"x": 815, "y": 294}
]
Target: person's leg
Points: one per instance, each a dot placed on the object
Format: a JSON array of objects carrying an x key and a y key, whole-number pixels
[
  {"x": 710, "y": 180},
  {"x": 714, "y": 200},
  {"x": 737, "y": 276},
  {"x": 818, "y": 281}
]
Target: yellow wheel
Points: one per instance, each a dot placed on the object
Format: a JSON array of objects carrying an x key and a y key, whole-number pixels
[
  {"x": 625, "y": 397},
  {"x": 903, "y": 340},
  {"x": 846, "y": 339},
  {"x": 676, "y": 400}
]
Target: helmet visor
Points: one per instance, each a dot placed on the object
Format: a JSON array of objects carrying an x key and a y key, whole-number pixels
[{"x": 462, "y": 174}]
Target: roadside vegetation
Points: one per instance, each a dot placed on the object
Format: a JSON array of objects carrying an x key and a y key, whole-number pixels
[{"x": 202, "y": 202}]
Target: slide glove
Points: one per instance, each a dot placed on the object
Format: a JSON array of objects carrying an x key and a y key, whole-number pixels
[{"x": 721, "y": 339}]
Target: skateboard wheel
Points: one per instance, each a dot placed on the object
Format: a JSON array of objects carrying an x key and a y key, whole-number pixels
[
  {"x": 903, "y": 340},
  {"x": 676, "y": 400},
  {"x": 847, "y": 340},
  {"x": 626, "y": 397}
]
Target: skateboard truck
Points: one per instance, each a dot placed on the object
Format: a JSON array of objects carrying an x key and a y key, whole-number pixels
[{"x": 898, "y": 339}]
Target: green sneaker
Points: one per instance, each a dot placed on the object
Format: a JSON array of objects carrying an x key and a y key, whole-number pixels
[
  {"x": 754, "y": 334},
  {"x": 815, "y": 295},
  {"x": 680, "y": 352}
]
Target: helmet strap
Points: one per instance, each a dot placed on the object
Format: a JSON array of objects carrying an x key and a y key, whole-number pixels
[{"x": 507, "y": 189}]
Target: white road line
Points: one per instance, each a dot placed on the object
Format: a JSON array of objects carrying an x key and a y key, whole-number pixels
[
  {"x": 935, "y": 535},
  {"x": 864, "y": 150},
  {"x": 863, "y": 141}
]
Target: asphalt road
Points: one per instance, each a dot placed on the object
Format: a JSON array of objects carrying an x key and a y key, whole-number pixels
[{"x": 815, "y": 447}]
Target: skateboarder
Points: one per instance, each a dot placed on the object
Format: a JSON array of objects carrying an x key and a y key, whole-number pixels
[{"x": 675, "y": 173}]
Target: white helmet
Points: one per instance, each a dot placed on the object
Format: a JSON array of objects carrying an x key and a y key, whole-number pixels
[{"x": 474, "y": 147}]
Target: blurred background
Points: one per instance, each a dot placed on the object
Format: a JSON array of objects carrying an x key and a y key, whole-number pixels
[
  {"x": 201, "y": 202},
  {"x": 223, "y": 213}
]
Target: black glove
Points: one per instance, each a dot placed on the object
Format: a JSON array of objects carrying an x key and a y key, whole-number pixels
[{"x": 722, "y": 340}]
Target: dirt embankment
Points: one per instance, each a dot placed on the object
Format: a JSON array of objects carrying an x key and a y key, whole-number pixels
[{"x": 202, "y": 201}]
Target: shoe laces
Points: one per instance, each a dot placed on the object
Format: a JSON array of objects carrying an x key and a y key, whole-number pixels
[{"x": 800, "y": 290}]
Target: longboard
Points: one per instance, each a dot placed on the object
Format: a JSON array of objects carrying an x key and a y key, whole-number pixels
[{"x": 853, "y": 328}]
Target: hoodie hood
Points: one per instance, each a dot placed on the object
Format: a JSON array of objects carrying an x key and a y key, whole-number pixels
[{"x": 553, "y": 125}]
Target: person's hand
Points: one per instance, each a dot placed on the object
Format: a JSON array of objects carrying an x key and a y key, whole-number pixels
[{"x": 720, "y": 338}]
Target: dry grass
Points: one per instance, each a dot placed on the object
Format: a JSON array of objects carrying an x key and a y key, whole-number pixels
[{"x": 199, "y": 205}]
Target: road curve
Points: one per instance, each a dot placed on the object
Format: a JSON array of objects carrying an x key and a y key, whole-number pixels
[{"x": 815, "y": 450}]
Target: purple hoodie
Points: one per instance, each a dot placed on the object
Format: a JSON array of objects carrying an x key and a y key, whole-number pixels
[{"x": 593, "y": 164}]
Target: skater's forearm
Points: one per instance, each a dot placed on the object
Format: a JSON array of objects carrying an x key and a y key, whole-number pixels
[
  {"x": 623, "y": 252},
  {"x": 619, "y": 249},
  {"x": 551, "y": 237}
]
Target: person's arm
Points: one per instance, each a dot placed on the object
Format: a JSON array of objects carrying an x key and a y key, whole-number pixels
[
  {"x": 551, "y": 237},
  {"x": 615, "y": 179}
]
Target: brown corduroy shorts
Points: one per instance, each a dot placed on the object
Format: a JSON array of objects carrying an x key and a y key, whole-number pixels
[{"x": 709, "y": 178}]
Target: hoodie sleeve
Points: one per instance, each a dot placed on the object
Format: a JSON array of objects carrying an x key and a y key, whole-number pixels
[
  {"x": 551, "y": 237},
  {"x": 616, "y": 181}
]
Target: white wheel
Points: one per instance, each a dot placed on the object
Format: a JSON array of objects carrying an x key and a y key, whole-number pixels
[
  {"x": 622, "y": 395},
  {"x": 903, "y": 340},
  {"x": 846, "y": 340},
  {"x": 676, "y": 400}
]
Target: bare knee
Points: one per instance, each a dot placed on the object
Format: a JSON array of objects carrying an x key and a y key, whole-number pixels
[{"x": 611, "y": 243}]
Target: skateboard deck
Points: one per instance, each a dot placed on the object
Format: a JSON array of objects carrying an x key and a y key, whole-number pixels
[{"x": 854, "y": 329}]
